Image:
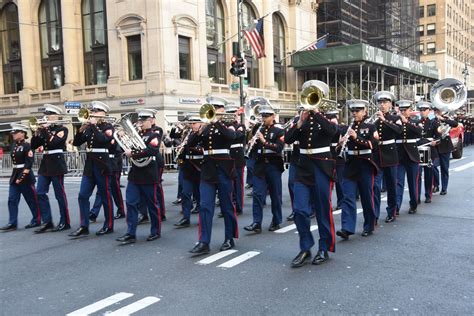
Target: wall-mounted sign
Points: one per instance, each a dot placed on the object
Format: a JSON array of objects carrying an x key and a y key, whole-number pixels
[
  {"x": 38, "y": 110},
  {"x": 138, "y": 101},
  {"x": 72, "y": 107},
  {"x": 8, "y": 111},
  {"x": 191, "y": 100}
]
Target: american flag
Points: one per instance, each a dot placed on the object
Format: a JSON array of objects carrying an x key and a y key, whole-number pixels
[
  {"x": 255, "y": 38},
  {"x": 321, "y": 42}
]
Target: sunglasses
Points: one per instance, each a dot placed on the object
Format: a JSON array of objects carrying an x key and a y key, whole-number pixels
[
  {"x": 355, "y": 110},
  {"x": 266, "y": 115}
]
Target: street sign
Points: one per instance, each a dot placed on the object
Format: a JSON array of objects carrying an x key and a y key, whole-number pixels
[
  {"x": 72, "y": 105},
  {"x": 234, "y": 86}
]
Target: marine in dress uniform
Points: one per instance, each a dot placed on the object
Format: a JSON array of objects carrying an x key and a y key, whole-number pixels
[
  {"x": 359, "y": 172},
  {"x": 386, "y": 154},
  {"x": 314, "y": 177},
  {"x": 217, "y": 173},
  {"x": 22, "y": 180},
  {"x": 429, "y": 135},
  {"x": 160, "y": 164},
  {"x": 97, "y": 134},
  {"x": 143, "y": 181},
  {"x": 409, "y": 156},
  {"x": 52, "y": 137},
  {"x": 268, "y": 169},
  {"x": 191, "y": 160},
  {"x": 341, "y": 129}
]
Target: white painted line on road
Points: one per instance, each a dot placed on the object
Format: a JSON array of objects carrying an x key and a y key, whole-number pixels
[
  {"x": 238, "y": 260},
  {"x": 135, "y": 307},
  {"x": 285, "y": 229},
  {"x": 464, "y": 167},
  {"x": 216, "y": 257},
  {"x": 97, "y": 306},
  {"x": 337, "y": 212},
  {"x": 456, "y": 160},
  {"x": 315, "y": 227}
]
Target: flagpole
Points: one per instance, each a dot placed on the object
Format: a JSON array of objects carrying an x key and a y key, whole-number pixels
[
  {"x": 303, "y": 48},
  {"x": 242, "y": 55}
]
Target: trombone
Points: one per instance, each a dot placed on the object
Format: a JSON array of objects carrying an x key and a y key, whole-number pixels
[{"x": 36, "y": 123}]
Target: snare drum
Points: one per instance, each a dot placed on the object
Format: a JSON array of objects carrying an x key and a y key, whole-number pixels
[{"x": 425, "y": 156}]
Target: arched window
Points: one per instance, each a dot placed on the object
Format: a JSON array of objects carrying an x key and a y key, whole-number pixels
[
  {"x": 249, "y": 18},
  {"x": 52, "y": 64},
  {"x": 94, "y": 26},
  {"x": 215, "y": 35},
  {"x": 279, "y": 65},
  {"x": 11, "y": 53}
]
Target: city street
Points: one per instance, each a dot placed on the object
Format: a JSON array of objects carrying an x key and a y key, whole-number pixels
[{"x": 420, "y": 264}]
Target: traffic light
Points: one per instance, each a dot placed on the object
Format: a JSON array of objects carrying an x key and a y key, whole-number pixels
[{"x": 239, "y": 66}]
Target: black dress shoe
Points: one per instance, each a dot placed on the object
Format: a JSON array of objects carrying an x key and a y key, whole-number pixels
[
  {"x": 195, "y": 210},
  {"x": 8, "y": 228},
  {"x": 291, "y": 217},
  {"x": 300, "y": 259},
  {"x": 220, "y": 215},
  {"x": 436, "y": 189},
  {"x": 366, "y": 233},
  {"x": 443, "y": 193},
  {"x": 32, "y": 225},
  {"x": 44, "y": 228},
  {"x": 142, "y": 219},
  {"x": 412, "y": 210},
  {"x": 119, "y": 215},
  {"x": 389, "y": 219},
  {"x": 273, "y": 227},
  {"x": 61, "y": 227},
  {"x": 92, "y": 218},
  {"x": 177, "y": 201},
  {"x": 397, "y": 212},
  {"x": 344, "y": 234},
  {"x": 126, "y": 239},
  {"x": 152, "y": 237},
  {"x": 428, "y": 200},
  {"x": 227, "y": 244},
  {"x": 200, "y": 248},
  {"x": 184, "y": 222},
  {"x": 104, "y": 231},
  {"x": 254, "y": 227},
  {"x": 321, "y": 257},
  {"x": 81, "y": 231}
]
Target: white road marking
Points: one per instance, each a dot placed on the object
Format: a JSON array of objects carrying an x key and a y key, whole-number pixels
[
  {"x": 315, "y": 227},
  {"x": 463, "y": 167},
  {"x": 135, "y": 307},
  {"x": 216, "y": 257},
  {"x": 101, "y": 304},
  {"x": 285, "y": 229},
  {"x": 456, "y": 160},
  {"x": 337, "y": 212},
  {"x": 238, "y": 260}
]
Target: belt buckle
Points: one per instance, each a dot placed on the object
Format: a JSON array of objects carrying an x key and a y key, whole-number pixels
[
  {"x": 357, "y": 152},
  {"x": 210, "y": 151}
]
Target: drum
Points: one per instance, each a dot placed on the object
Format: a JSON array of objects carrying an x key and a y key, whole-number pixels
[{"x": 425, "y": 156}]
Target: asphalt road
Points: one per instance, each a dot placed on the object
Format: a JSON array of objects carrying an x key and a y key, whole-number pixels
[{"x": 420, "y": 264}]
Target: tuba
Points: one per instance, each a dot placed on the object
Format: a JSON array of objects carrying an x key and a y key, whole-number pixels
[
  {"x": 314, "y": 96},
  {"x": 448, "y": 95},
  {"x": 126, "y": 135},
  {"x": 252, "y": 109}
]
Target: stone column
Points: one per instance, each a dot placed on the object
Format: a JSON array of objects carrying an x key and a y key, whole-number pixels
[{"x": 72, "y": 42}]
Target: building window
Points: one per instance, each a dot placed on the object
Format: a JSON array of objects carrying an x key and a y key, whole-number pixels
[
  {"x": 431, "y": 29},
  {"x": 421, "y": 10},
  {"x": 421, "y": 30},
  {"x": 215, "y": 35},
  {"x": 134, "y": 48},
  {"x": 421, "y": 48},
  {"x": 10, "y": 49},
  {"x": 184, "y": 57},
  {"x": 94, "y": 28},
  {"x": 51, "y": 44},
  {"x": 449, "y": 48},
  {"x": 430, "y": 48},
  {"x": 431, "y": 9},
  {"x": 279, "y": 63},
  {"x": 249, "y": 18}
]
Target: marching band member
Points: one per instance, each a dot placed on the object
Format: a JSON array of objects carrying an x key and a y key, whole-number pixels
[
  {"x": 294, "y": 156},
  {"x": 143, "y": 181},
  {"x": 52, "y": 137},
  {"x": 341, "y": 129},
  {"x": 429, "y": 134},
  {"x": 445, "y": 147},
  {"x": 22, "y": 180},
  {"x": 314, "y": 177},
  {"x": 191, "y": 158},
  {"x": 217, "y": 173},
  {"x": 408, "y": 155},
  {"x": 359, "y": 172},
  {"x": 160, "y": 164},
  {"x": 268, "y": 169},
  {"x": 388, "y": 127},
  {"x": 97, "y": 134}
]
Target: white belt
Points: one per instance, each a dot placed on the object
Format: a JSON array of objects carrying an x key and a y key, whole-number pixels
[
  {"x": 334, "y": 144},
  {"x": 97, "y": 150},
  {"x": 267, "y": 151},
  {"x": 111, "y": 156},
  {"x": 19, "y": 166},
  {"x": 194, "y": 156},
  {"x": 405, "y": 141},
  {"x": 54, "y": 151},
  {"x": 236, "y": 145},
  {"x": 310, "y": 151},
  {"x": 215, "y": 152},
  {"x": 359, "y": 152},
  {"x": 387, "y": 142},
  {"x": 430, "y": 139}
]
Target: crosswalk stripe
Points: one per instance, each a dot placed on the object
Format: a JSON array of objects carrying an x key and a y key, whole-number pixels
[
  {"x": 216, "y": 257},
  {"x": 237, "y": 260},
  {"x": 135, "y": 307},
  {"x": 464, "y": 167},
  {"x": 101, "y": 304},
  {"x": 456, "y": 160},
  {"x": 285, "y": 229}
]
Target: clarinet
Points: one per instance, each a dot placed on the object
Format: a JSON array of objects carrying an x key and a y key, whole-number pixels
[
  {"x": 344, "y": 144},
  {"x": 252, "y": 143}
]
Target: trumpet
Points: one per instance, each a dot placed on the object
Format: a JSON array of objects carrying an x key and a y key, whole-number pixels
[
  {"x": 36, "y": 123},
  {"x": 208, "y": 114},
  {"x": 314, "y": 96},
  {"x": 85, "y": 115}
]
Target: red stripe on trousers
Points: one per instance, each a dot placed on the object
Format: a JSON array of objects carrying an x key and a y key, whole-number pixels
[
  {"x": 331, "y": 219},
  {"x": 109, "y": 202},
  {"x": 61, "y": 181},
  {"x": 38, "y": 212}
]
